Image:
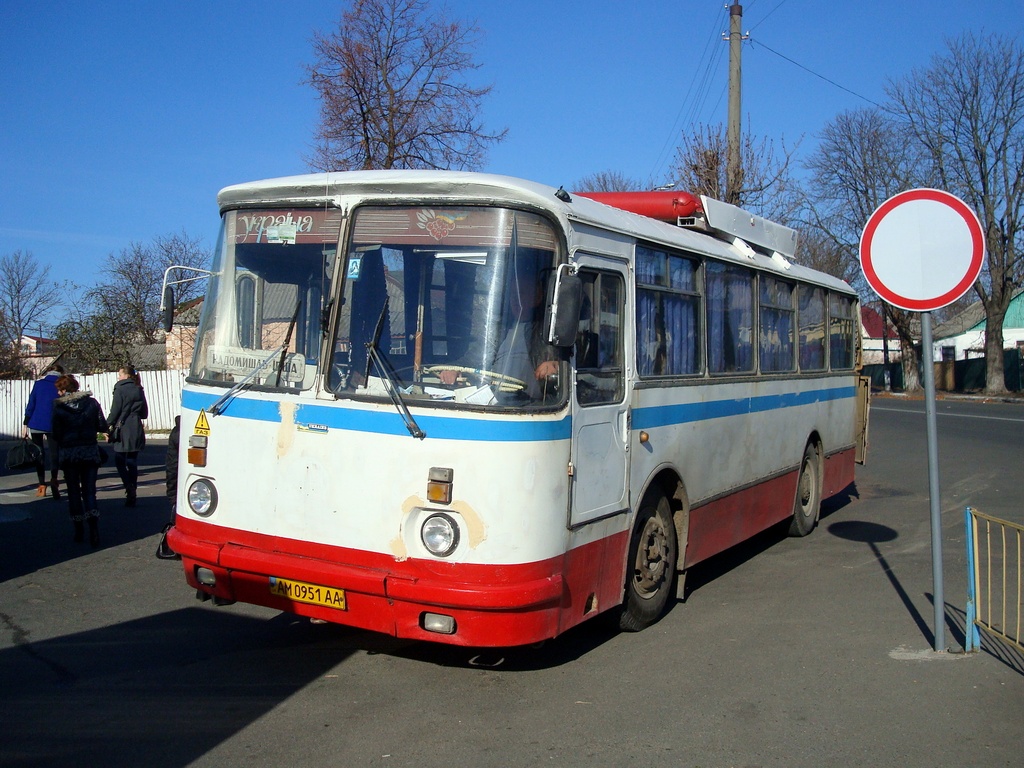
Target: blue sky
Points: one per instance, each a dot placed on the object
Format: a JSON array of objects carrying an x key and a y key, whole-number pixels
[{"x": 121, "y": 120}]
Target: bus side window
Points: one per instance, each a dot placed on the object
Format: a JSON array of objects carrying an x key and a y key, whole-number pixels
[
  {"x": 668, "y": 314},
  {"x": 598, "y": 351},
  {"x": 587, "y": 339},
  {"x": 730, "y": 318},
  {"x": 811, "y": 317}
]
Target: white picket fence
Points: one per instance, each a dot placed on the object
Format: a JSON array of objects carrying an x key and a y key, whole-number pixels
[{"x": 163, "y": 394}]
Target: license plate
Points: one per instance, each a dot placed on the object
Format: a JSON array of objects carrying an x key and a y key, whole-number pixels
[{"x": 313, "y": 594}]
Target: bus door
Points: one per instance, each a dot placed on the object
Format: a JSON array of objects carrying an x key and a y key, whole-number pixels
[{"x": 600, "y": 416}]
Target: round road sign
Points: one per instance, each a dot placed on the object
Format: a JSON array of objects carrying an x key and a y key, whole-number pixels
[{"x": 922, "y": 249}]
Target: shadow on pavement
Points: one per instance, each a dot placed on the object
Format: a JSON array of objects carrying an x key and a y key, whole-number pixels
[
  {"x": 874, "y": 534},
  {"x": 36, "y": 532},
  {"x": 159, "y": 691}
]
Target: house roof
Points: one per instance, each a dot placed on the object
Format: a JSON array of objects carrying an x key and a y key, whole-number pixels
[
  {"x": 872, "y": 322},
  {"x": 974, "y": 318}
]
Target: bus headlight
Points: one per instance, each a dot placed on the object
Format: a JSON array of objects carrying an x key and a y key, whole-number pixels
[
  {"x": 440, "y": 535},
  {"x": 202, "y": 497}
]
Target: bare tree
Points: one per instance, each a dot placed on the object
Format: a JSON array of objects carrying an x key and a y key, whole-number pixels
[
  {"x": 122, "y": 313},
  {"x": 27, "y": 295},
  {"x": 607, "y": 181},
  {"x": 767, "y": 187},
  {"x": 393, "y": 93},
  {"x": 967, "y": 111},
  {"x": 864, "y": 157},
  {"x": 12, "y": 366},
  {"x": 821, "y": 252}
]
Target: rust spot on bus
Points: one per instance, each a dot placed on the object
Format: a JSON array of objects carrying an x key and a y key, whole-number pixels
[
  {"x": 286, "y": 432},
  {"x": 474, "y": 524}
]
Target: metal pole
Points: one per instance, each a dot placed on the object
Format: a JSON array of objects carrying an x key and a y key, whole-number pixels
[
  {"x": 733, "y": 169},
  {"x": 885, "y": 348},
  {"x": 933, "y": 481},
  {"x": 972, "y": 638}
]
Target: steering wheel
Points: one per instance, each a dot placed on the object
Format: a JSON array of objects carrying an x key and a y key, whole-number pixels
[{"x": 505, "y": 382}]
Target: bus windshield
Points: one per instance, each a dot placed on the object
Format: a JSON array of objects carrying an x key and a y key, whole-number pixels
[
  {"x": 261, "y": 321},
  {"x": 448, "y": 305}
]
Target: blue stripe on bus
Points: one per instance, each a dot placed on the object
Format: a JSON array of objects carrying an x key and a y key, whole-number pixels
[
  {"x": 317, "y": 417},
  {"x": 665, "y": 415}
]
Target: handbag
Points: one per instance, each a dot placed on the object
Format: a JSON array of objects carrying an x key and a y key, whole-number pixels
[
  {"x": 115, "y": 432},
  {"x": 24, "y": 455}
]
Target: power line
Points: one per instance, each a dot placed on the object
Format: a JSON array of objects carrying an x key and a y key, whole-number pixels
[
  {"x": 812, "y": 72},
  {"x": 701, "y": 80},
  {"x": 765, "y": 17}
]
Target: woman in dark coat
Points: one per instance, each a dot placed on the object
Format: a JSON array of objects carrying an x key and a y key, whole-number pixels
[
  {"x": 77, "y": 418},
  {"x": 124, "y": 429}
]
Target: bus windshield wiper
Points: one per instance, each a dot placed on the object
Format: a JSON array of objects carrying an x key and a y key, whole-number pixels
[
  {"x": 282, "y": 350},
  {"x": 387, "y": 374}
]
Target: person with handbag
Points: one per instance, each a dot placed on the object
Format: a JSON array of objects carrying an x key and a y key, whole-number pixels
[
  {"x": 124, "y": 429},
  {"x": 36, "y": 427},
  {"x": 77, "y": 419}
]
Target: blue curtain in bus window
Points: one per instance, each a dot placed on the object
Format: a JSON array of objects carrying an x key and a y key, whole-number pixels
[
  {"x": 681, "y": 328},
  {"x": 777, "y": 331},
  {"x": 812, "y": 328},
  {"x": 682, "y": 325},
  {"x": 647, "y": 336},
  {"x": 730, "y": 318},
  {"x": 650, "y": 266},
  {"x": 667, "y": 322},
  {"x": 776, "y": 340},
  {"x": 648, "y": 272}
]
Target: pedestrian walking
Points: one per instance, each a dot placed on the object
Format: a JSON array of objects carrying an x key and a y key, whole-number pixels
[
  {"x": 37, "y": 426},
  {"x": 124, "y": 429},
  {"x": 77, "y": 419}
]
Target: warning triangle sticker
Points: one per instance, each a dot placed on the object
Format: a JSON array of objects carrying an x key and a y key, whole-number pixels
[{"x": 202, "y": 425}]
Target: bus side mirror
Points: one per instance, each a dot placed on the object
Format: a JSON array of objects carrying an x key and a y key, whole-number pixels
[
  {"x": 565, "y": 309},
  {"x": 167, "y": 307}
]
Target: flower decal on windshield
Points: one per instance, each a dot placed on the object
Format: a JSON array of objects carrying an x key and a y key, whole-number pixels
[{"x": 438, "y": 225}]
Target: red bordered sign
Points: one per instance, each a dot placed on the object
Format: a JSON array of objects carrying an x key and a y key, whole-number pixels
[{"x": 922, "y": 249}]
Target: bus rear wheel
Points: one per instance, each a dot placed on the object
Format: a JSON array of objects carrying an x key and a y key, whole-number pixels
[
  {"x": 807, "y": 505},
  {"x": 652, "y": 565}
]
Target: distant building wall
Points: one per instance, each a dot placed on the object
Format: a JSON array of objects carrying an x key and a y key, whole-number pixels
[
  {"x": 180, "y": 342},
  {"x": 972, "y": 344}
]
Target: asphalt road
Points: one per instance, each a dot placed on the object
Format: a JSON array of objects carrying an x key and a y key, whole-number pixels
[{"x": 786, "y": 652}]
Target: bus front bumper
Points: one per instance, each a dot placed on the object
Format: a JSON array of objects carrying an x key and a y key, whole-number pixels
[{"x": 514, "y": 605}]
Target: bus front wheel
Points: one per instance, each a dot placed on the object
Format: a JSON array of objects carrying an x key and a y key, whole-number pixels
[
  {"x": 651, "y": 567},
  {"x": 807, "y": 505}
]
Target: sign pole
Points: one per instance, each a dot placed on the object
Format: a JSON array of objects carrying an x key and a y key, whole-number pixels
[
  {"x": 933, "y": 482},
  {"x": 921, "y": 250}
]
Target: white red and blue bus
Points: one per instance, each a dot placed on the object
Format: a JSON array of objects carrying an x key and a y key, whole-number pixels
[{"x": 355, "y": 449}]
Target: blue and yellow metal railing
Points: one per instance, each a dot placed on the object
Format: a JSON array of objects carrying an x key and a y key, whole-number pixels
[{"x": 994, "y": 584}]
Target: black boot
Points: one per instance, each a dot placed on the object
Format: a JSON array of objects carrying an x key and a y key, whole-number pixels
[
  {"x": 163, "y": 549},
  {"x": 94, "y": 530},
  {"x": 129, "y": 499},
  {"x": 55, "y": 489},
  {"x": 79, "y": 531}
]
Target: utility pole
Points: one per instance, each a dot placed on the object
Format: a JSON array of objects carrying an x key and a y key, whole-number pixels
[{"x": 733, "y": 169}]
